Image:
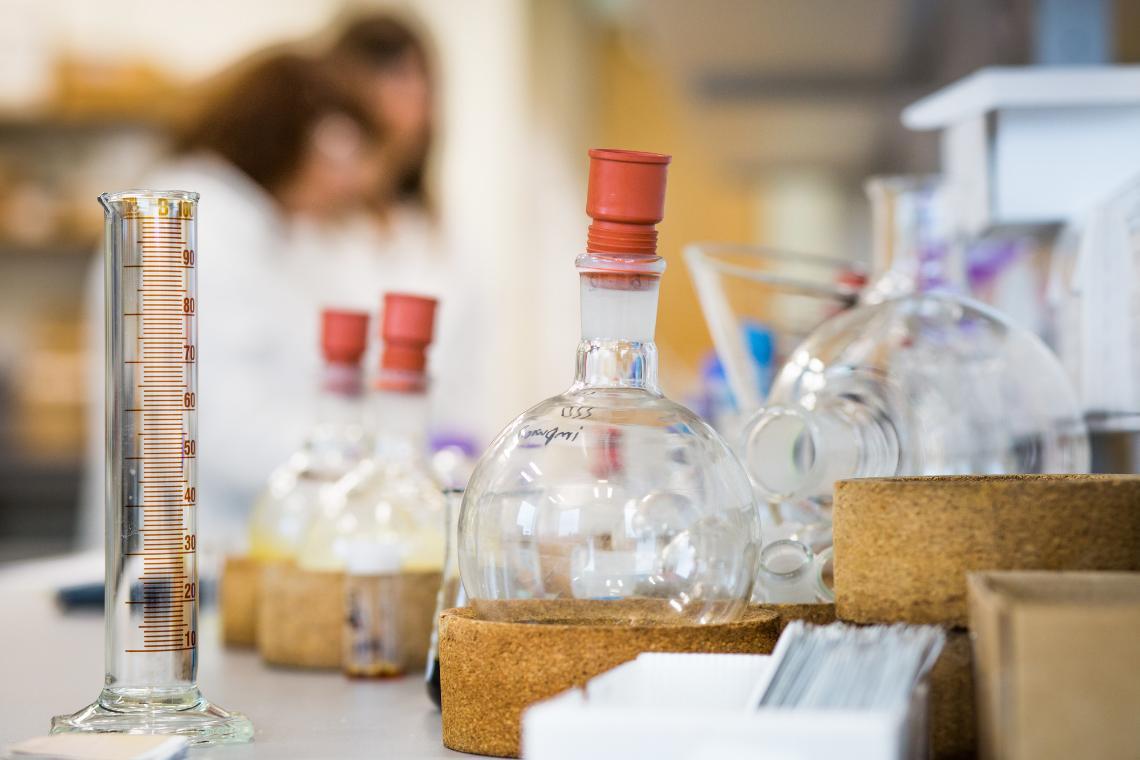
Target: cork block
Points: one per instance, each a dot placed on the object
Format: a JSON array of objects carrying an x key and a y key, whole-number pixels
[
  {"x": 301, "y": 616},
  {"x": 819, "y": 614},
  {"x": 490, "y": 671},
  {"x": 903, "y": 546},
  {"x": 953, "y": 719},
  {"x": 237, "y": 600}
]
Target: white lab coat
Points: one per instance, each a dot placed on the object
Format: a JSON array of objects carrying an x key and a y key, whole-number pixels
[{"x": 262, "y": 280}]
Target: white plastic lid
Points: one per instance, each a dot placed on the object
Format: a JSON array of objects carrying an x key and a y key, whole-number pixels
[{"x": 373, "y": 558}]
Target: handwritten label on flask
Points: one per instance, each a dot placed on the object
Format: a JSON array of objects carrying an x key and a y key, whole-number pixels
[{"x": 550, "y": 434}]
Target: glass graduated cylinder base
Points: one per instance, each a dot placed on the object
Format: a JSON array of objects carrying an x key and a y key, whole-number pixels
[{"x": 183, "y": 713}]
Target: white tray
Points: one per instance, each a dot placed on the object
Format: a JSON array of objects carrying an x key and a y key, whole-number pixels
[{"x": 698, "y": 707}]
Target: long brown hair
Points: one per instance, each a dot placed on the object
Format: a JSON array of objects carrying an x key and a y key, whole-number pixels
[
  {"x": 378, "y": 43},
  {"x": 260, "y": 120}
]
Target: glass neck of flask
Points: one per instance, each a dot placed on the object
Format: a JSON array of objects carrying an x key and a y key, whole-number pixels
[
  {"x": 916, "y": 247},
  {"x": 341, "y": 389},
  {"x": 619, "y": 318},
  {"x": 400, "y": 420},
  {"x": 797, "y": 453},
  {"x": 338, "y": 437}
]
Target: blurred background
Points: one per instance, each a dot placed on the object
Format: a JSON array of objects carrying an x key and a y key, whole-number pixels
[{"x": 775, "y": 113}]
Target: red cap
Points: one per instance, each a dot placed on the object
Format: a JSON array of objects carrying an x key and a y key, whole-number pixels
[
  {"x": 407, "y": 329},
  {"x": 344, "y": 335},
  {"x": 626, "y": 199}
]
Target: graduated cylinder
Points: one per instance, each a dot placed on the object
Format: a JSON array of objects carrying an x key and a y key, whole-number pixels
[
  {"x": 152, "y": 444},
  {"x": 152, "y": 590}
]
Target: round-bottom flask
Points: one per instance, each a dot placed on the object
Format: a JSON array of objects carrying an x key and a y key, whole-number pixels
[
  {"x": 610, "y": 503},
  {"x": 927, "y": 384}
]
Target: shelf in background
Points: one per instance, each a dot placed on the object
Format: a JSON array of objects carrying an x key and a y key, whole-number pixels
[
  {"x": 53, "y": 249},
  {"x": 13, "y": 122}
]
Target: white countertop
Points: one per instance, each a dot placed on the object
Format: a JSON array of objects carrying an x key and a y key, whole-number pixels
[{"x": 51, "y": 663}]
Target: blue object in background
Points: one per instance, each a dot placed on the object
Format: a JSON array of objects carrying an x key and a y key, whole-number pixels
[
  {"x": 716, "y": 397},
  {"x": 761, "y": 343},
  {"x": 89, "y": 596},
  {"x": 716, "y": 400},
  {"x": 83, "y": 595}
]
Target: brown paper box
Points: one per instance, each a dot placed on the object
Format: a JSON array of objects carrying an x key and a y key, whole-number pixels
[{"x": 1057, "y": 660}]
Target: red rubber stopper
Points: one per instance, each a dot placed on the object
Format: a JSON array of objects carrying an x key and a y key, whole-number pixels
[
  {"x": 407, "y": 328},
  {"x": 626, "y": 200},
  {"x": 344, "y": 335}
]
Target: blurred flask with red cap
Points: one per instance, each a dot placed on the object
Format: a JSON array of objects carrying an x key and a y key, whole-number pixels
[
  {"x": 609, "y": 501},
  {"x": 382, "y": 524},
  {"x": 338, "y": 441}
]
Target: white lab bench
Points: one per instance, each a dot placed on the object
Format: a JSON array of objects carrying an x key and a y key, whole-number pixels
[{"x": 52, "y": 663}]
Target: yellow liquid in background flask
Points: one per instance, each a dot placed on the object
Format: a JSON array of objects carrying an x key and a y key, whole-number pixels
[
  {"x": 378, "y": 503},
  {"x": 337, "y": 444},
  {"x": 389, "y": 504}
]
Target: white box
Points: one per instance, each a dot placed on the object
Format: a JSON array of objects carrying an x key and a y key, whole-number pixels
[
  {"x": 699, "y": 707},
  {"x": 1034, "y": 145}
]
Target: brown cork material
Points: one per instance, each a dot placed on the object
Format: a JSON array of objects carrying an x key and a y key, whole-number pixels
[
  {"x": 819, "y": 614},
  {"x": 301, "y": 616},
  {"x": 491, "y": 671},
  {"x": 416, "y": 596},
  {"x": 237, "y": 600},
  {"x": 953, "y": 723},
  {"x": 903, "y": 546}
]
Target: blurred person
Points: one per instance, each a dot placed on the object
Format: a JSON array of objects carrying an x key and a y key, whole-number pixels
[
  {"x": 394, "y": 243},
  {"x": 399, "y": 244},
  {"x": 389, "y": 66},
  {"x": 283, "y": 143}
]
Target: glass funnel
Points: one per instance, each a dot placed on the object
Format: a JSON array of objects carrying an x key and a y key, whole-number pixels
[
  {"x": 744, "y": 290},
  {"x": 610, "y": 502},
  {"x": 917, "y": 380},
  {"x": 152, "y": 591}
]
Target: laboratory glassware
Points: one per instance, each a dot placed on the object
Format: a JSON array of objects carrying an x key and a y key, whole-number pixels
[
  {"x": 390, "y": 505},
  {"x": 792, "y": 572},
  {"x": 610, "y": 502},
  {"x": 745, "y": 288},
  {"x": 372, "y": 636},
  {"x": 918, "y": 380},
  {"x": 1095, "y": 291},
  {"x": 847, "y": 667},
  {"x": 451, "y": 593},
  {"x": 912, "y": 239},
  {"x": 337, "y": 443},
  {"x": 152, "y": 590}
]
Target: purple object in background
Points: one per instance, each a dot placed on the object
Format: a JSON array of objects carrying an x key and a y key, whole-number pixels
[
  {"x": 453, "y": 457},
  {"x": 986, "y": 260},
  {"x": 444, "y": 439}
]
